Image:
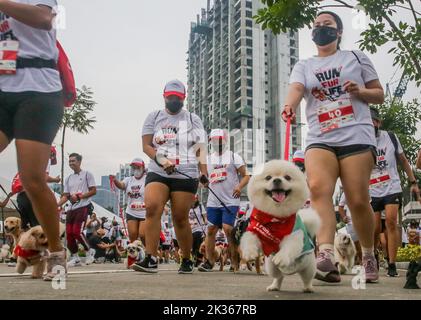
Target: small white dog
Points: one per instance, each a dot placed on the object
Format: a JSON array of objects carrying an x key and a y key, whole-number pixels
[
  {"x": 135, "y": 252},
  {"x": 279, "y": 226},
  {"x": 344, "y": 253},
  {"x": 5, "y": 253}
]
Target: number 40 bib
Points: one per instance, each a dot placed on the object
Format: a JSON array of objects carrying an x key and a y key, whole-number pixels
[{"x": 335, "y": 114}]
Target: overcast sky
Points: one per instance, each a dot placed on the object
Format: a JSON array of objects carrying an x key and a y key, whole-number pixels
[{"x": 126, "y": 51}]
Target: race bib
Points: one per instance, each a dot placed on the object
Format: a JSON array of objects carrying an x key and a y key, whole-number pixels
[
  {"x": 379, "y": 178},
  {"x": 218, "y": 175},
  {"x": 138, "y": 206},
  {"x": 8, "y": 56},
  {"x": 335, "y": 114}
]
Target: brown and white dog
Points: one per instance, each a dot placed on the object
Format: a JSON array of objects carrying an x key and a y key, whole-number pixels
[
  {"x": 31, "y": 250},
  {"x": 238, "y": 262},
  {"x": 135, "y": 252}
]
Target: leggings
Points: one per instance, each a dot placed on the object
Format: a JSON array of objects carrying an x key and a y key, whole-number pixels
[{"x": 75, "y": 223}]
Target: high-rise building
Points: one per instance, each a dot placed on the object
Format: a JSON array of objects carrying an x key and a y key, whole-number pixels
[{"x": 238, "y": 78}]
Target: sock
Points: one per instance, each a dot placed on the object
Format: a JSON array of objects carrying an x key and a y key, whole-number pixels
[
  {"x": 367, "y": 251},
  {"x": 328, "y": 248},
  {"x": 153, "y": 258}
]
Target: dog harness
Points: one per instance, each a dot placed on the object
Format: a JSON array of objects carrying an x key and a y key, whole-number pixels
[
  {"x": 271, "y": 231},
  {"x": 27, "y": 254}
]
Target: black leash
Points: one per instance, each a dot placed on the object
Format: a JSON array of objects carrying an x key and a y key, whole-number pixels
[
  {"x": 17, "y": 209},
  {"x": 209, "y": 188}
]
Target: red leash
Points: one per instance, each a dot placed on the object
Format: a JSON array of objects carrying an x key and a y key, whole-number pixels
[{"x": 287, "y": 138}]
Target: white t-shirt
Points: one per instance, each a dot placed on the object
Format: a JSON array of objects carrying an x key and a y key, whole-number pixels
[
  {"x": 194, "y": 215},
  {"x": 79, "y": 183},
  {"x": 223, "y": 178},
  {"x": 33, "y": 43},
  {"x": 334, "y": 118},
  {"x": 384, "y": 178},
  {"x": 176, "y": 137},
  {"x": 343, "y": 203},
  {"x": 168, "y": 236},
  {"x": 135, "y": 190}
]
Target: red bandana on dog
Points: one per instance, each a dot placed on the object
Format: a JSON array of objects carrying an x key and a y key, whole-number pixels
[
  {"x": 20, "y": 252},
  {"x": 270, "y": 230}
]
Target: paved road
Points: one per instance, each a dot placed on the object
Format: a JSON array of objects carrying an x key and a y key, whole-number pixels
[{"x": 167, "y": 284}]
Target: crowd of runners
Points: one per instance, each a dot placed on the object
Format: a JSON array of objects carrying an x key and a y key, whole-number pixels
[{"x": 166, "y": 211}]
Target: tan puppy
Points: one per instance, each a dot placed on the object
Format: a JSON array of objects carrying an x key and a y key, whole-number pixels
[
  {"x": 12, "y": 227},
  {"x": 220, "y": 253},
  {"x": 31, "y": 251}
]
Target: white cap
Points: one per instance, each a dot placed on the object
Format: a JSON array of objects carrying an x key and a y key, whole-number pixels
[{"x": 218, "y": 133}]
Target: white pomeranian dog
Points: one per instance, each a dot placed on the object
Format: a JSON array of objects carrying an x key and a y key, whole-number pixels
[{"x": 279, "y": 227}]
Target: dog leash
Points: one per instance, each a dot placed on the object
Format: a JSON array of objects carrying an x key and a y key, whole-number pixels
[
  {"x": 287, "y": 138},
  {"x": 201, "y": 225},
  {"x": 17, "y": 209},
  {"x": 209, "y": 188}
]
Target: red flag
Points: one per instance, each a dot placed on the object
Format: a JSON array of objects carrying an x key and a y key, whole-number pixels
[{"x": 112, "y": 184}]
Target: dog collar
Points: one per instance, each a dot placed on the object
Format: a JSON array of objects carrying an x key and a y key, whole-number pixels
[{"x": 20, "y": 252}]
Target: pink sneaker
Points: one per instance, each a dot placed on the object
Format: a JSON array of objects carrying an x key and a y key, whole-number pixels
[
  {"x": 370, "y": 267},
  {"x": 326, "y": 270}
]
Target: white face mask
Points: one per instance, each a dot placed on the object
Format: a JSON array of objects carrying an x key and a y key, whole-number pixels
[
  {"x": 138, "y": 173},
  {"x": 218, "y": 147}
]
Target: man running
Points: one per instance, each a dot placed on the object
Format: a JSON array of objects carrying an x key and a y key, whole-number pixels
[
  {"x": 79, "y": 188},
  {"x": 225, "y": 168}
]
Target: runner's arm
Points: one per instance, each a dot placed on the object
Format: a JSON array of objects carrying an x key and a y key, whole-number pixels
[
  {"x": 90, "y": 193},
  {"x": 244, "y": 181},
  {"x": 64, "y": 198},
  {"x": 411, "y": 176},
  {"x": 342, "y": 213},
  {"x": 295, "y": 95},
  {"x": 53, "y": 180},
  {"x": 419, "y": 160},
  {"x": 119, "y": 184},
  {"x": 372, "y": 92},
  {"x": 39, "y": 17}
]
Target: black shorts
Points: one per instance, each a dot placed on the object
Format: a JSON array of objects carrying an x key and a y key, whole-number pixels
[
  {"x": 175, "y": 185},
  {"x": 33, "y": 116},
  {"x": 129, "y": 217},
  {"x": 27, "y": 215},
  {"x": 379, "y": 204},
  {"x": 346, "y": 151},
  {"x": 165, "y": 247},
  {"x": 197, "y": 241},
  {"x": 175, "y": 243}
]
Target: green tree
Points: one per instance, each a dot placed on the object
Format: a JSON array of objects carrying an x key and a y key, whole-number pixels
[
  {"x": 281, "y": 15},
  {"x": 77, "y": 119}
]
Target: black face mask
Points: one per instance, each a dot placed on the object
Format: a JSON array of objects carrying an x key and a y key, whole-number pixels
[
  {"x": 376, "y": 131},
  {"x": 174, "y": 106},
  {"x": 324, "y": 35}
]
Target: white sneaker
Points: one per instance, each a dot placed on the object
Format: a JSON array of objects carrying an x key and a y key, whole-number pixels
[
  {"x": 74, "y": 262},
  {"x": 90, "y": 257}
]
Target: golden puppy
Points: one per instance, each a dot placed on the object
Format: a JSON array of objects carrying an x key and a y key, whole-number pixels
[
  {"x": 31, "y": 250},
  {"x": 220, "y": 255},
  {"x": 12, "y": 227}
]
